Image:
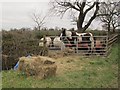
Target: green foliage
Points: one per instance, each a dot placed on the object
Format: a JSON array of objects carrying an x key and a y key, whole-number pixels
[{"x": 114, "y": 54}]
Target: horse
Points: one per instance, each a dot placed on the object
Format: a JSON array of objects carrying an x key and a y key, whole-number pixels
[
  {"x": 68, "y": 38},
  {"x": 58, "y": 43},
  {"x": 48, "y": 41},
  {"x": 86, "y": 38},
  {"x": 80, "y": 39}
]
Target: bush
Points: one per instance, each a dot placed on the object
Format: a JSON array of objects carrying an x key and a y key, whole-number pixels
[
  {"x": 6, "y": 35},
  {"x": 18, "y": 43}
]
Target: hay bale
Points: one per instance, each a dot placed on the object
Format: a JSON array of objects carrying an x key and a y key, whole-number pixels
[{"x": 40, "y": 66}]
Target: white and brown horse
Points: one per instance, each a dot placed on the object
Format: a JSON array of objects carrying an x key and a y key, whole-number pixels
[
  {"x": 74, "y": 38},
  {"x": 69, "y": 38}
]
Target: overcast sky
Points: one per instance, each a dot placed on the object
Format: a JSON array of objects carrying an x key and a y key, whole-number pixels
[{"x": 17, "y": 14}]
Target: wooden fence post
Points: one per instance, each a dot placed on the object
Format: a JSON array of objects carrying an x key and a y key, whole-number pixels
[{"x": 107, "y": 47}]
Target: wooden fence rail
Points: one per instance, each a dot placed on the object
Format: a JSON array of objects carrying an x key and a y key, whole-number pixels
[{"x": 111, "y": 40}]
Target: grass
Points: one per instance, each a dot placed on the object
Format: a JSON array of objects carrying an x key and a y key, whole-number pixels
[
  {"x": 72, "y": 72},
  {"x": 0, "y": 80}
]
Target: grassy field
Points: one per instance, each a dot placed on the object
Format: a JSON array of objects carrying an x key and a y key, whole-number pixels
[{"x": 72, "y": 72}]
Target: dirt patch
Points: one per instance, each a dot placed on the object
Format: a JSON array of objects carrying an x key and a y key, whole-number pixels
[
  {"x": 58, "y": 53},
  {"x": 68, "y": 63}
]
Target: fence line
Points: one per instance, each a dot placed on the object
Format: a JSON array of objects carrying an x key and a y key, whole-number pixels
[{"x": 85, "y": 47}]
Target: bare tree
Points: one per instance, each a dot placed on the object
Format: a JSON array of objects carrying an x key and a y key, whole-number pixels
[
  {"x": 38, "y": 19},
  {"x": 116, "y": 18},
  {"x": 60, "y": 7},
  {"x": 109, "y": 14}
]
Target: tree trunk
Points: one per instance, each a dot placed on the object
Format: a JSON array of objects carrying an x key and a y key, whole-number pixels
[
  {"x": 113, "y": 30},
  {"x": 108, "y": 27},
  {"x": 80, "y": 22},
  {"x": 82, "y": 15}
]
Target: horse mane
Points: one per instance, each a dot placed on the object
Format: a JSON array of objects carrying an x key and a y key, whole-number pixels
[{"x": 64, "y": 32}]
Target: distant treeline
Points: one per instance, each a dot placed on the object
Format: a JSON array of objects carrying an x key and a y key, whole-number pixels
[{"x": 37, "y": 34}]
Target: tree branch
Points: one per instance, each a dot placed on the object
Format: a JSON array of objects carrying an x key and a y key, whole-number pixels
[
  {"x": 93, "y": 17},
  {"x": 89, "y": 8}
]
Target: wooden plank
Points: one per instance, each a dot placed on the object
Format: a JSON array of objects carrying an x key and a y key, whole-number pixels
[
  {"x": 110, "y": 42},
  {"x": 115, "y": 38}
]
